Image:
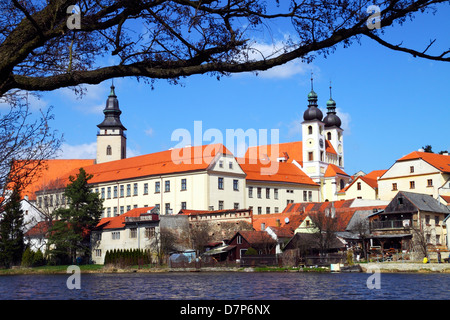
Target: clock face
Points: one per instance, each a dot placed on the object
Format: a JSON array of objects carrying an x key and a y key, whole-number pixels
[
  {"x": 310, "y": 142},
  {"x": 321, "y": 143}
]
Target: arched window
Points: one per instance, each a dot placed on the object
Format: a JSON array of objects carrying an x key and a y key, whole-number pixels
[
  {"x": 108, "y": 150},
  {"x": 329, "y": 135},
  {"x": 310, "y": 130}
]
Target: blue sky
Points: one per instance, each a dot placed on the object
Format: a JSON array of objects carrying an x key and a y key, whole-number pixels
[{"x": 391, "y": 103}]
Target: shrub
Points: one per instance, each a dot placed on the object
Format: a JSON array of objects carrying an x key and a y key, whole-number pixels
[
  {"x": 251, "y": 252},
  {"x": 27, "y": 258}
]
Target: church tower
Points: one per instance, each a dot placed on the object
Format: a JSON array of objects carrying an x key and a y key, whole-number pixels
[
  {"x": 313, "y": 138},
  {"x": 111, "y": 139},
  {"x": 333, "y": 131}
]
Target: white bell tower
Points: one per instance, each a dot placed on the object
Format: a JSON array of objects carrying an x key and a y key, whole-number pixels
[{"x": 111, "y": 139}]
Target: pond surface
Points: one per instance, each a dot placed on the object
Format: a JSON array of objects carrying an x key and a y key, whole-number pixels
[{"x": 228, "y": 286}]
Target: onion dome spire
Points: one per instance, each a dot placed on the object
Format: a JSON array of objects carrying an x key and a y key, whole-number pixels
[
  {"x": 313, "y": 112},
  {"x": 112, "y": 112},
  {"x": 331, "y": 119}
]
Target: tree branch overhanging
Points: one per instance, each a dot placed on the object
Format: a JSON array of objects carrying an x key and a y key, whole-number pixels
[{"x": 180, "y": 37}]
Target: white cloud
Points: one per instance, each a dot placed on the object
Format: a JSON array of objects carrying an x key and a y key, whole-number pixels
[
  {"x": 81, "y": 151},
  {"x": 34, "y": 102},
  {"x": 149, "y": 132},
  {"x": 295, "y": 128},
  {"x": 132, "y": 153},
  {"x": 261, "y": 51},
  {"x": 92, "y": 101},
  {"x": 86, "y": 151},
  {"x": 345, "y": 119}
]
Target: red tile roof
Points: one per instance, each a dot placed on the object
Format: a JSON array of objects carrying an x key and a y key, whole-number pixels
[
  {"x": 344, "y": 211},
  {"x": 333, "y": 171},
  {"x": 275, "y": 172},
  {"x": 39, "y": 230},
  {"x": 190, "y": 212},
  {"x": 439, "y": 161},
  {"x": 118, "y": 222},
  {"x": 371, "y": 179},
  {"x": 293, "y": 150},
  {"x": 446, "y": 199},
  {"x": 256, "y": 237},
  {"x": 278, "y": 220},
  {"x": 50, "y": 172},
  {"x": 290, "y": 150},
  {"x": 164, "y": 162}
]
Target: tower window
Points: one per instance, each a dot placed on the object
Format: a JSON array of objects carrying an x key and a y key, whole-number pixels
[
  {"x": 329, "y": 135},
  {"x": 310, "y": 130},
  {"x": 108, "y": 150},
  {"x": 310, "y": 156}
]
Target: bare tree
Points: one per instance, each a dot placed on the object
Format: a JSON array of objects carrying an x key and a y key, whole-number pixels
[
  {"x": 45, "y": 45},
  {"x": 26, "y": 142},
  {"x": 200, "y": 235},
  {"x": 326, "y": 224}
]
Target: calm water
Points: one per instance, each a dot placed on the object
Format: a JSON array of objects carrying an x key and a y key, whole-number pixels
[{"x": 227, "y": 286}]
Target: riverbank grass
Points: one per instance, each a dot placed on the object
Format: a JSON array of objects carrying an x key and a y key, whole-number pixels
[{"x": 61, "y": 269}]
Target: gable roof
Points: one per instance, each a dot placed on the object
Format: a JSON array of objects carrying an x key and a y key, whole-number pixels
[
  {"x": 39, "y": 230},
  {"x": 344, "y": 210},
  {"x": 439, "y": 161},
  {"x": 50, "y": 172},
  {"x": 256, "y": 237},
  {"x": 170, "y": 161},
  {"x": 278, "y": 220},
  {"x": 371, "y": 179},
  {"x": 333, "y": 171},
  {"x": 423, "y": 202},
  {"x": 280, "y": 172},
  {"x": 291, "y": 150}
]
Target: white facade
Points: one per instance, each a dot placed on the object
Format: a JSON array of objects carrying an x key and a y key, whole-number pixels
[{"x": 416, "y": 175}]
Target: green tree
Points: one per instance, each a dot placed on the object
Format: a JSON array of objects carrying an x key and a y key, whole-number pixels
[
  {"x": 27, "y": 258},
  {"x": 428, "y": 148},
  {"x": 11, "y": 231},
  {"x": 70, "y": 233}
]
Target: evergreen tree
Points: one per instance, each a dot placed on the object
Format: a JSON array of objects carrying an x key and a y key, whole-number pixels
[
  {"x": 11, "y": 231},
  {"x": 27, "y": 258},
  {"x": 70, "y": 233}
]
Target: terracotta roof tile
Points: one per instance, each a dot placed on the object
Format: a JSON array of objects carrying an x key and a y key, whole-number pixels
[
  {"x": 169, "y": 161},
  {"x": 293, "y": 150},
  {"x": 333, "y": 170},
  {"x": 277, "y": 172},
  {"x": 118, "y": 222},
  {"x": 440, "y": 162},
  {"x": 257, "y": 237},
  {"x": 50, "y": 173}
]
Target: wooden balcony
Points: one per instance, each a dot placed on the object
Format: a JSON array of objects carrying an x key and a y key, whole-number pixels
[{"x": 390, "y": 224}]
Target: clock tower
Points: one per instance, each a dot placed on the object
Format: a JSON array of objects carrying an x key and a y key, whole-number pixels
[
  {"x": 333, "y": 131},
  {"x": 313, "y": 134}
]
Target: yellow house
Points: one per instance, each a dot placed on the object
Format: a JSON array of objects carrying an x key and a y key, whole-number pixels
[
  {"x": 363, "y": 187},
  {"x": 419, "y": 172}
]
